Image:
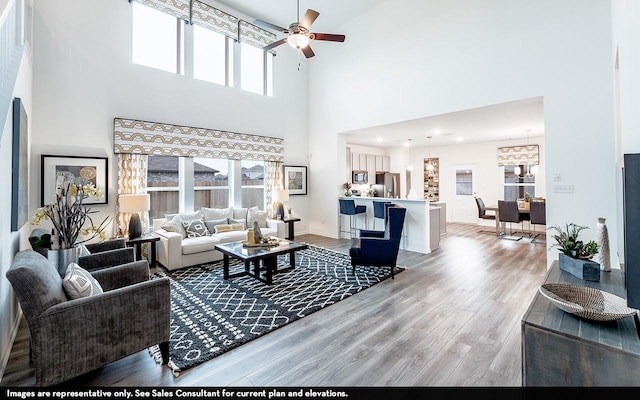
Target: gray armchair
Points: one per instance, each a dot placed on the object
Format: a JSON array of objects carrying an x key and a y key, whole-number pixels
[
  {"x": 73, "y": 337},
  {"x": 103, "y": 254}
]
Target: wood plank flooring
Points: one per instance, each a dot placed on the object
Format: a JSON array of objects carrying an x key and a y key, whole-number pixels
[{"x": 451, "y": 319}]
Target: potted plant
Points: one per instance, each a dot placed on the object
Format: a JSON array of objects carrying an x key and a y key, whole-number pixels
[
  {"x": 575, "y": 255},
  {"x": 347, "y": 189},
  {"x": 371, "y": 192}
]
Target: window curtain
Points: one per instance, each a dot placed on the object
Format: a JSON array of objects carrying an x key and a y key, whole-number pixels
[
  {"x": 272, "y": 182},
  {"x": 519, "y": 155},
  {"x": 132, "y": 179},
  {"x": 177, "y": 8},
  {"x": 213, "y": 19},
  {"x": 144, "y": 137},
  {"x": 255, "y": 36}
]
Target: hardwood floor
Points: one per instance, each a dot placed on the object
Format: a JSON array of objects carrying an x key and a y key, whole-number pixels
[{"x": 451, "y": 319}]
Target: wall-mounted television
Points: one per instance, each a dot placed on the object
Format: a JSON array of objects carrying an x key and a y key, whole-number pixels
[{"x": 631, "y": 227}]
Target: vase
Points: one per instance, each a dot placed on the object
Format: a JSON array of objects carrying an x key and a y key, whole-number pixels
[
  {"x": 603, "y": 245},
  {"x": 61, "y": 258}
]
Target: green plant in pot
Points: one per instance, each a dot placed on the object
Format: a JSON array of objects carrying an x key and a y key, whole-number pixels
[
  {"x": 347, "y": 188},
  {"x": 576, "y": 255}
]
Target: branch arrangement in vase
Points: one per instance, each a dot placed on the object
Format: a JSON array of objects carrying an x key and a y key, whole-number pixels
[{"x": 68, "y": 215}]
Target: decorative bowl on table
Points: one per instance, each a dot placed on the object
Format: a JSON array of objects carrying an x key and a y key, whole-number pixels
[{"x": 586, "y": 302}]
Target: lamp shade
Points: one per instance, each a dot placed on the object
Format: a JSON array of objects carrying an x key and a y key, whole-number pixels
[
  {"x": 134, "y": 202},
  {"x": 281, "y": 195}
]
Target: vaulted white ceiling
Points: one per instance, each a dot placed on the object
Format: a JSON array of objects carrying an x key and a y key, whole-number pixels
[{"x": 490, "y": 123}]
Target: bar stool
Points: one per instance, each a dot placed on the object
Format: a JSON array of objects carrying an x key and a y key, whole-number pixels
[
  {"x": 380, "y": 212},
  {"x": 348, "y": 207}
]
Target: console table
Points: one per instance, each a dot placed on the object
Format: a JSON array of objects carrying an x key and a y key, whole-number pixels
[{"x": 560, "y": 349}]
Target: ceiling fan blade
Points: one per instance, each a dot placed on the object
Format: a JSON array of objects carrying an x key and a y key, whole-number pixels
[
  {"x": 307, "y": 51},
  {"x": 268, "y": 25},
  {"x": 327, "y": 36},
  {"x": 308, "y": 19},
  {"x": 274, "y": 44}
]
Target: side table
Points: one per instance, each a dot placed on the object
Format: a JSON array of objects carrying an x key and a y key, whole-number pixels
[
  {"x": 289, "y": 222},
  {"x": 150, "y": 238}
]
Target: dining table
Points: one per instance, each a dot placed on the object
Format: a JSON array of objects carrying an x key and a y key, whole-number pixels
[{"x": 501, "y": 227}]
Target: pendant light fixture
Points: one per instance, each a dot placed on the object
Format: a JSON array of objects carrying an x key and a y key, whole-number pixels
[{"x": 429, "y": 166}]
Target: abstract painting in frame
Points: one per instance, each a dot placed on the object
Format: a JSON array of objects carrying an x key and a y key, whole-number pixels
[
  {"x": 295, "y": 179},
  {"x": 94, "y": 169},
  {"x": 19, "y": 167}
]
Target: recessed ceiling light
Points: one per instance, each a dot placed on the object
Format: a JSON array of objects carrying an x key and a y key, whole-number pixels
[
  {"x": 460, "y": 139},
  {"x": 379, "y": 140}
]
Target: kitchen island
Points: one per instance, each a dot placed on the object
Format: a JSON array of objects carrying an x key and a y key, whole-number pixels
[{"x": 417, "y": 224}]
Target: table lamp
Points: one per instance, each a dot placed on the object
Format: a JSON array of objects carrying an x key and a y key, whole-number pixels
[
  {"x": 134, "y": 204},
  {"x": 279, "y": 197}
]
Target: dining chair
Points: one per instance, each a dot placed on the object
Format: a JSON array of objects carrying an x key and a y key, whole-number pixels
[
  {"x": 508, "y": 212},
  {"x": 482, "y": 214},
  {"x": 538, "y": 216}
]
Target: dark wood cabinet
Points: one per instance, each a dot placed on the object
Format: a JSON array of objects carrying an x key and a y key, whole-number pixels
[{"x": 560, "y": 349}]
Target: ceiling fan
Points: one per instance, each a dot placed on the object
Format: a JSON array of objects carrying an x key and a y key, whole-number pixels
[{"x": 298, "y": 33}]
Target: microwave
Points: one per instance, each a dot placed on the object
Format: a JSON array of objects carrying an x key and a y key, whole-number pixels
[{"x": 360, "y": 177}]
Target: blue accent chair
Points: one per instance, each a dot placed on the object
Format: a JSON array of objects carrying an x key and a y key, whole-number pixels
[
  {"x": 348, "y": 207},
  {"x": 379, "y": 248}
]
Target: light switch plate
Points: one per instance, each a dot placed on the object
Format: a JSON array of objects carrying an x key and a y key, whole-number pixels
[
  {"x": 563, "y": 188},
  {"x": 556, "y": 177}
]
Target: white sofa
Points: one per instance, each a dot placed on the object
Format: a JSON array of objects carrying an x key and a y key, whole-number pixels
[{"x": 176, "y": 250}]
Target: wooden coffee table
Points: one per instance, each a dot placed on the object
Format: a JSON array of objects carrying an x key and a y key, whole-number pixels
[{"x": 259, "y": 262}]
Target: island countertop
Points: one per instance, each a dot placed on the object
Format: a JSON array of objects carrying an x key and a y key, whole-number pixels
[{"x": 416, "y": 230}]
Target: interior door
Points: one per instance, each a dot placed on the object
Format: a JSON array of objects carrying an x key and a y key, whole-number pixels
[{"x": 464, "y": 205}]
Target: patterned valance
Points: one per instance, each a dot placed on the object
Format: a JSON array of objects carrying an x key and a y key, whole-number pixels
[
  {"x": 142, "y": 137},
  {"x": 519, "y": 155},
  {"x": 255, "y": 36},
  {"x": 177, "y": 8},
  {"x": 211, "y": 18}
]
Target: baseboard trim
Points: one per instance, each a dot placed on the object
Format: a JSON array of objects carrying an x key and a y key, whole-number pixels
[{"x": 6, "y": 352}]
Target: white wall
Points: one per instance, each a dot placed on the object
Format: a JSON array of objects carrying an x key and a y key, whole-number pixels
[
  {"x": 84, "y": 78},
  {"x": 11, "y": 241},
  {"x": 489, "y": 177},
  {"x": 437, "y": 57}
]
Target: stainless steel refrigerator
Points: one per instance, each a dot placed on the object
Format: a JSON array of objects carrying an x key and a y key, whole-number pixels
[{"x": 387, "y": 184}]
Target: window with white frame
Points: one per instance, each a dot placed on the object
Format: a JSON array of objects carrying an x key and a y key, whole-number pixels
[
  {"x": 252, "y": 69},
  {"x": 518, "y": 182},
  {"x": 211, "y": 183},
  {"x": 163, "y": 185},
  {"x": 210, "y": 55},
  {"x": 157, "y": 39},
  {"x": 464, "y": 181},
  {"x": 253, "y": 184}
]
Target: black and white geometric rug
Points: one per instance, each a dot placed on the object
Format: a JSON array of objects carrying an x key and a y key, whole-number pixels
[{"x": 210, "y": 315}]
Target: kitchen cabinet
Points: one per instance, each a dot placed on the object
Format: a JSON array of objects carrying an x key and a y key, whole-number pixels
[
  {"x": 371, "y": 169},
  {"x": 386, "y": 164},
  {"x": 443, "y": 215},
  {"x": 355, "y": 162},
  {"x": 363, "y": 161}
]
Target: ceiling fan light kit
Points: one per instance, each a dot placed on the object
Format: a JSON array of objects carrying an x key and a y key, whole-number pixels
[{"x": 298, "y": 33}]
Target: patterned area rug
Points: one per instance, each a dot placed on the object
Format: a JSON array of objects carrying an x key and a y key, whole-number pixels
[{"x": 210, "y": 315}]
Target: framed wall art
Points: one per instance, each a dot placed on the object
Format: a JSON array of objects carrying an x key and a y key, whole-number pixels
[
  {"x": 19, "y": 167},
  {"x": 295, "y": 179},
  {"x": 92, "y": 168}
]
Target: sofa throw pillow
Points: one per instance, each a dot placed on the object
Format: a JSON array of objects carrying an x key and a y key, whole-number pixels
[
  {"x": 174, "y": 225},
  {"x": 211, "y": 225},
  {"x": 209, "y": 214},
  {"x": 195, "y": 228},
  {"x": 237, "y": 227},
  {"x": 240, "y": 213},
  {"x": 78, "y": 282},
  {"x": 257, "y": 215},
  {"x": 238, "y": 221},
  {"x": 223, "y": 228}
]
